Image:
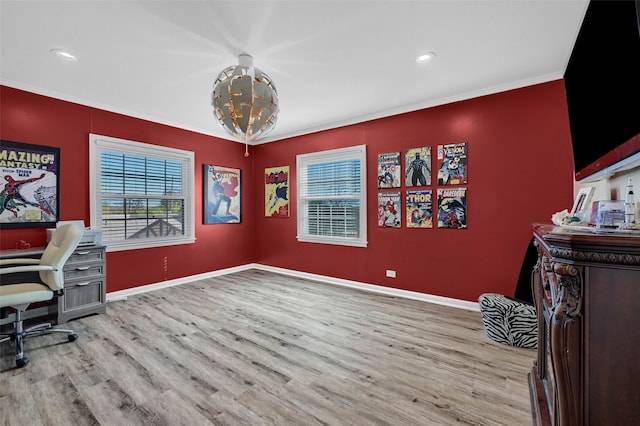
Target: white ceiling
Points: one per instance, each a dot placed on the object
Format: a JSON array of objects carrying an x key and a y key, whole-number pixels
[{"x": 333, "y": 62}]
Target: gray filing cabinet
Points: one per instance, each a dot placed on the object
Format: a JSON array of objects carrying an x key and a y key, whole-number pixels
[{"x": 84, "y": 284}]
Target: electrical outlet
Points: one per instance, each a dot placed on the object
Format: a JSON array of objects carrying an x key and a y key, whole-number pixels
[{"x": 391, "y": 273}]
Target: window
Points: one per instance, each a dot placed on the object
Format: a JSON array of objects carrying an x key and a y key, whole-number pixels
[
  {"x": 332, "y": 194},
  {"x": 141, "y": 194}
]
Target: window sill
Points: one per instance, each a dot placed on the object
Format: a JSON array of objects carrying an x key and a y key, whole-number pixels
[
  {"x": 333, "y": 241},
  {"x": 123, "y": 246}
]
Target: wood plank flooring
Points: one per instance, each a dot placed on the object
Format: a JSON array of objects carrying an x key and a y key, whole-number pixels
[{"x": 258, "y": 348}]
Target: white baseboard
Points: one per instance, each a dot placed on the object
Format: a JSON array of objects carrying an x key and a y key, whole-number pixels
[
  {"x": 429, "y": 298},
  {"x": 123, "y": 294},
  {"x": 439, "y": 300}
]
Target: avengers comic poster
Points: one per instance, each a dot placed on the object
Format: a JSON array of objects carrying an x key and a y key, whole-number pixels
[
  {"x": 418, "y": 166},
  {"x": 222, "y": 191},
  {"x": 452, "y": 164},
  {"x": 389, "y": 209},
  {"x": 452, "y": 208},
  {"x": 389, "y": 170},
  {"x": 30, "y": 185},
  {"x": 419, "y": 209},
  {"x": 276, "y": 191}
]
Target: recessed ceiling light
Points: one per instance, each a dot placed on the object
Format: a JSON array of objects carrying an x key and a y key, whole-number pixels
[
  {"x": 63, "y": 54},
  {"x": 425, "y": 57}
]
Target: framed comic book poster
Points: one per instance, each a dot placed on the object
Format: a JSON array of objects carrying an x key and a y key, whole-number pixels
[
  {"x": 417, "y": 171},
  {"x": 30, "y": 185},
  {"x": 453, "y": 163},
  {"x": 452, "y": 208},
  {"x": 389, "y": 170},
  {"x": 276, "y": 191},
  {"x": 222, "y": 191},
  {"x": 419, "y": 211},
  {"x": 389, "y": 209}
]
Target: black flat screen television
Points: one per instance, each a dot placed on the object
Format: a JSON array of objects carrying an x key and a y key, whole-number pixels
[{"x": 602, "y": 83}]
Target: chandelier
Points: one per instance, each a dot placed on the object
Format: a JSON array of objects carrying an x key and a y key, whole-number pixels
[{"x": 245, "y": 101}]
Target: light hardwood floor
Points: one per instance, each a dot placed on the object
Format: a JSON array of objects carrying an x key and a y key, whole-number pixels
[{"x": 258, "y": 348}]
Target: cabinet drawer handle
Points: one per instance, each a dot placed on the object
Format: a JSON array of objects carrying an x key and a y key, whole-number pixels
[
  {"x": 82, "y": 253},
  {"x": 82, "y": 268},
  {"x": 83, "y": 284}
]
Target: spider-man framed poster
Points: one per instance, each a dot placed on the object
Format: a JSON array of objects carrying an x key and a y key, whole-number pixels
[
  {"x": 30, "y": 185},
  {"x": 222, "y": 191}
]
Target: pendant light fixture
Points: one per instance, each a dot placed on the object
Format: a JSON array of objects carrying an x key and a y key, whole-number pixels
[{"x": 245, "y": 101}]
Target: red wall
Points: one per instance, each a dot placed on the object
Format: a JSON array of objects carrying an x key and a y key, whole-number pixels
[
  {"x": 30, "y": 118},
  {"x": 520, "y": 171}
]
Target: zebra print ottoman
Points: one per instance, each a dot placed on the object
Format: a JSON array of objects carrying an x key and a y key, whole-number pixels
[{"x": 509, "y": 321}]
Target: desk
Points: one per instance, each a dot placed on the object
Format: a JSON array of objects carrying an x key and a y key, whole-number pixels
[
  {"x": 84, "y": 282},
  {"x": 20, "y": 277},
  {"x": 40, "y": 310},
  {"x": 30, "y": 252}
]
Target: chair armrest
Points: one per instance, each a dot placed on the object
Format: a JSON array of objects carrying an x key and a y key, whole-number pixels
[
  {"x": 30, "y": 268},
  {"x": 19, "y": 261}
]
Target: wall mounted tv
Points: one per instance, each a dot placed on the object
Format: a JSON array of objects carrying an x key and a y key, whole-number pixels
[{"x": 602, "y": 83}]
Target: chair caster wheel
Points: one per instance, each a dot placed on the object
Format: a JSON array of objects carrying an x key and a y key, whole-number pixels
[
  {"x": 22, "y": 362},
  {"x": 72, "y": 337}
]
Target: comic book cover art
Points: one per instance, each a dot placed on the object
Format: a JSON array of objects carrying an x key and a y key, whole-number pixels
[
  {"x": 389, "y": 170},
  {"x": 418, "y": 166},
  {"x": 276, "y": 191},
  {"x": 222, "y": 194},
  {"x": 452, "y": 208},
  {"x": 452, "y": 164},
  {"x": 389, "y": 209},
  {"x": 30, "y": 178},
  {"x": 419, "y": 208}
]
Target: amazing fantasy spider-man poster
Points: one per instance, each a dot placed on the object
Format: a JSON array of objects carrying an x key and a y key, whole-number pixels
[
  {"x": 30, "y": 181},
  {"x": 221, "y": 195},
  {"x": 276, "y": 191}
]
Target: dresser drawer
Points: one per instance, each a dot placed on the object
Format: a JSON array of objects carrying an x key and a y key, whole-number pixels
[
  {"x": 83, "y": 273},
  {"x": 81, "y": 299},
  {"x": 83, "y": 294},
  {"x": 84, "y": 255}
]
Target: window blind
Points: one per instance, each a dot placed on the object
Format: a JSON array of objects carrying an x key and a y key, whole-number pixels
[
  {"x": 143, "y": 194},
  {"x": 331, "y": 197}
]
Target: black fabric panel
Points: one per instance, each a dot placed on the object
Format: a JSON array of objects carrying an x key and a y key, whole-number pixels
[{"x": 523, "y": 291}]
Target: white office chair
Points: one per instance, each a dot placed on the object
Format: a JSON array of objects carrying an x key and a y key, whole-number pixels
[{"x": 63, "y": 242}]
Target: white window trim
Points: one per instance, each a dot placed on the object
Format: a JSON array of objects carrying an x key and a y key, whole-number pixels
[
  {"x": 98, "y": 143},
  {"x": 302, "y": 160}
]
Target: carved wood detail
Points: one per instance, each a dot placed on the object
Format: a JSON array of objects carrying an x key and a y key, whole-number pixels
[
  {"x": 586, "y": 289},
  {"x": 594, "y": 256},
  {"x": 565, "y": 329}
]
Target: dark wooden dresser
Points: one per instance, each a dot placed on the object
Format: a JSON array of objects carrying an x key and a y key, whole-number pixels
[{"x": 586, "y": 290}]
